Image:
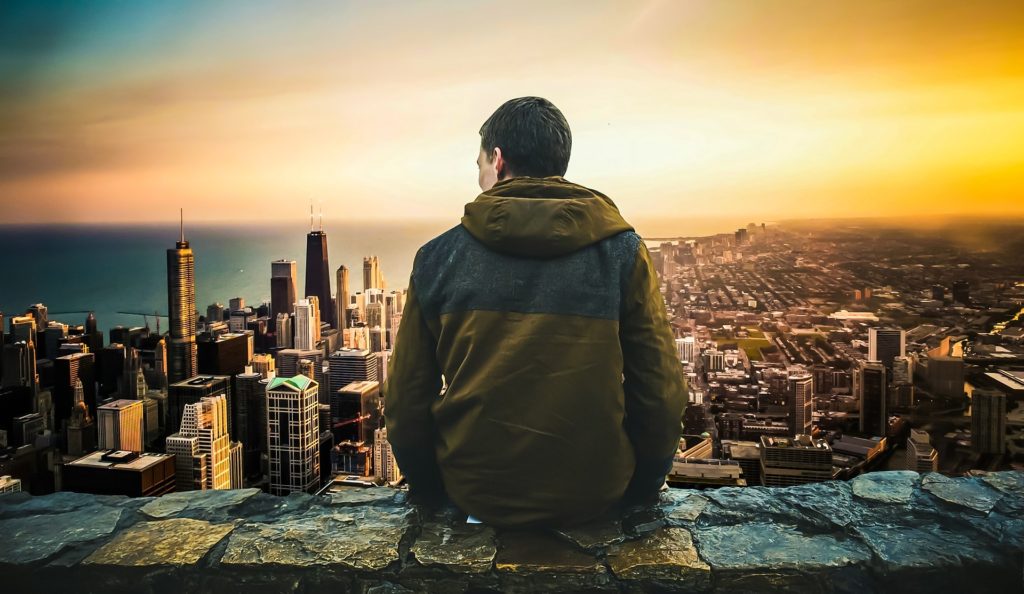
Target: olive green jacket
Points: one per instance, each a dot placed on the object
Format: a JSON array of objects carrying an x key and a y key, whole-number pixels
[{"x": 542, "y": 313}]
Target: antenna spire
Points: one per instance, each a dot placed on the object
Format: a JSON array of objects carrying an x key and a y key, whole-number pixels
[
  {"x": 311, "y": 215},
  {"x": 181, "y": 227},
  {"x": 321, "y": 216}
]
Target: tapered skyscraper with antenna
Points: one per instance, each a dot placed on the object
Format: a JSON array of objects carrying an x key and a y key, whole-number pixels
[
  {"x": 181, "y": 309},
  {"x": 318, "y": 275}
]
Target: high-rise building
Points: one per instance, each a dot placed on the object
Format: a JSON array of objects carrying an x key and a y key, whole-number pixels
[
  {"x": 38, "y": 312},
  {"x": 251, "y": 418},
  {"x": 345, "y": 366},
  {"x": 19, "y": 363},
  {"x": 870, "y": 384},
  {"x": 318, "y": 272},
  {"x": 801, "y": 403},
  {"x": 307, "y": 324},
  {"x": 284, "y": 331},
  {"x": 355, "y": 411},
  {"x": 263, "y": 364},
  {"x": 181, "y": 311},
  {"x": 372, "y": 277},
  {"x": 223, "y": 354},
  {"x": 946, "y": 376},
  {"x": 795, "y": 461},
  {"x": 283, "y": 287},
  {"x": 385, "y": 467},
  {"x": 215, "y": 313},
  {"x": 67, "y": 371},
  {"x": 885, "y": 344},
  {"x": 81, "y": 432},
  {"x": 191, "y": 391},
  {"x": 204, "y": 432},
  {"x": 988, "y": 421},
  {"x": 341, "y": 305},
  {"x": 120, "y": 425},
  {"x": 921, "y": 456},
  {"x": 113, "y": 472},
  {"x": 962, "y": 292},
  {"x": 239, "y": 319},
  {"x": 293, "y": 435},
  {"x": 289, "y": 364},
  {"x": 686, "y": 349}
]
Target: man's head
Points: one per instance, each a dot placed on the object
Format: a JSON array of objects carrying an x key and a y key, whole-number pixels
[{"x": 528, "y": 137}]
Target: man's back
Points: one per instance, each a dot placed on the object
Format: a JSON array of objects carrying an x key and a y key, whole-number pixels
[{"x": 535, "y": 309}]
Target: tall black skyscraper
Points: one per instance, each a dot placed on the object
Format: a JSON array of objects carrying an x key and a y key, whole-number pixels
[
  {"x": 181, "y": 311},
  {"x": 318, "y": 275}
]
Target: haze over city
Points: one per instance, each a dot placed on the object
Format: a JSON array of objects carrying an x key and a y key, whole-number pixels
[{"x": 124, "y": 112}]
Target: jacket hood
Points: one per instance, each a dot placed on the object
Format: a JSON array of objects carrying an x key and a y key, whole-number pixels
[{"x": 541, "y": 217}]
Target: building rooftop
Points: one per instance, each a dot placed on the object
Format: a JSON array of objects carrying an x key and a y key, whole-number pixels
[
  {"x": 299, "y": 382},
  {"x": 120, "y": 460}
]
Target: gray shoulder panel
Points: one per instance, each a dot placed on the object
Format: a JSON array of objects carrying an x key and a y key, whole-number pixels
[{"x": 455, "y": 272}]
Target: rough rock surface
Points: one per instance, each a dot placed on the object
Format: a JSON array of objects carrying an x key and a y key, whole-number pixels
[{"x": 885, "y": 531}]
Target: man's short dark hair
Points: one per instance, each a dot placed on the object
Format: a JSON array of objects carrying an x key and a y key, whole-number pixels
[{"x": 533, "y": 136}]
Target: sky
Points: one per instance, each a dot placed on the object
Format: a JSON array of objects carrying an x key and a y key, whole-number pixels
[{"x": 123, "y": 111}]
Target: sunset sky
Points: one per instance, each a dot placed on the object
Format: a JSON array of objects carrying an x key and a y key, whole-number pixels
[{"x": 124, "y": 111}]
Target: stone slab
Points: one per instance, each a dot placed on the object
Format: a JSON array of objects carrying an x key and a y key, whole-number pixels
[{"x": 178, "y": 541}]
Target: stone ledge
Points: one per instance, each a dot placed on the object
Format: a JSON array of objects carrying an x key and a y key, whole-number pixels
[{"x": 881, "y": 531}]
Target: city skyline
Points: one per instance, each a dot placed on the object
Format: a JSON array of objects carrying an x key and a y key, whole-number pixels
[{"x": 678, "y": 109}]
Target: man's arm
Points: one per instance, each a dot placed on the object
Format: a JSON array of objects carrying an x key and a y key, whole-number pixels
[
  {"x": 413, "y": 384},
  {"x": 653, "y": 379}
]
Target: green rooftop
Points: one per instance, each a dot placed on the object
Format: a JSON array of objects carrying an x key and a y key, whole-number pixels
[{"x": 299, "y": 382}]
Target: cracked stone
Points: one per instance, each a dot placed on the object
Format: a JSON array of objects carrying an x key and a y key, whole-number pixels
[
  {"x": 597, "y": 534},
  {"x": 758, "y": 546},
  {"x": 461, "y": 548},
  {"x": 1009, "y": 482},
  {"x": 536, "y": 552},
  {"x": 178, "y": 541},
  {"x": 196, "y": 502},
  {"x": 363, "y": 496},
  {"x": 968, "y": 492},
  {"x": 667, "y": 554},
  {"x": 361, "y": 538},
  {"x": 40, "y": 537},
  {"x": 893, "y": 486},
  {"x": 925, "y": 546},
  {"x": 689, "y": 508}
]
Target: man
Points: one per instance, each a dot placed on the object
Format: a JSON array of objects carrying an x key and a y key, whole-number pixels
[{"x": 562, "y": 392}]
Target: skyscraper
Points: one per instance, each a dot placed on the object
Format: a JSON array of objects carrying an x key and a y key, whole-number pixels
[
  {"x": 885, "y": 344},
  {"x": 372, "y": 277},
  {"x": 283, "y": 286},
  {"x": 251, "y": 418},
  {"x": 68, "y": 371},
  {"x": 293, "y": 435},
  {"x": 318, "y": 273},
  {"x": 385, "y": 467},
  {"x": 341, "y": 307},
  {"x": 121, "y": 426},
  {"x": 355, "y": 409},
  {"x": 988, "y": 421},
  {"x": 870, "y": 386},
  {"x": 921, "y": 456},
  {"x": 345, "y": 366},
  {"x": 203, "y": 434},
  {"x": 192, "y": 391},
  {"x": 801, "y": 403},
  {"x": 307, "y": 324},
  {"x": 181, "y": 310}
]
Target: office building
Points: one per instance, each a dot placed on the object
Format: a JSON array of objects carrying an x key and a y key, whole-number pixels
[
  {"x": 121, "y": 425},
  {"x": 307, "y": 324},
  {"x": 224, "y": 354},
  {"x": 748, "y": 455},
  {"x": 181, "y": 308},
  {"x": 19, "y": 364},
  {"x": 372, "y": 277},
  {"x": 9, "y": 484},
  {"x": 885, "y": 344},
  {"x": 686, "y": 349},
  {"x": 284, "y": 282},
  {"x": 801, "y": 403},
  {"x": 67, "y": 371},
  {"x": 962, "y": 292},
  {"x": 112, "y": 472},
  {"x": 341, "y": 304},
  {"x": 871, "y": 388},
  {"x": 289, "y": 364},
  {"x": 318, "y": 272},
  {"x": 988, "y": 421},
  {"x": 293, "y": 431},
  {"x": 345, "y": 366},
  {"x": 240, "y": 319},
  {"x": 385, "y": 467},
  {"x": 191, "y": 391},
  {"x": 263, "y": 364},
  {"x": 215, "y": 313},
  {"x": 251, "y": 418},
  {"x": 921, "y": 456},
  {"x": 356, "y": 411},
  {"x": 203, "y": 434},
  {"x": 81, "y": 429},
  {"x": 794, "y": 461},
  {"x": 946, "y": 376}
]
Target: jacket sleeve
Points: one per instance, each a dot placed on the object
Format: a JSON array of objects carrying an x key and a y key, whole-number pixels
[
  {"x": 413, "y": 384},
  {"x": 653, "y": 383}
]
